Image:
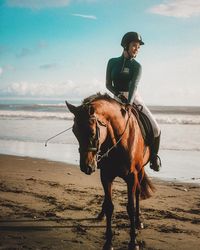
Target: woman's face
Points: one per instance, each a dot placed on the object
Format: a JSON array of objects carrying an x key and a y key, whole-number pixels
[{"x": 133, "y": 49}]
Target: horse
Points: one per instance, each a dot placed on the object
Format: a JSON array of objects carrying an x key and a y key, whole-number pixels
[{"x": 110, "y": 139}]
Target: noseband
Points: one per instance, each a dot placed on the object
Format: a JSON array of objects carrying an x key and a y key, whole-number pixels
[{"x": 94, "y": 140}]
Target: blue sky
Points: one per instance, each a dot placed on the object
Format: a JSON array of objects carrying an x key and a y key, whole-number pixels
[{"x": 60, "y": 48}]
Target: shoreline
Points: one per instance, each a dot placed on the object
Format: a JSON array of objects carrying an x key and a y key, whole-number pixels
[
  {"x": 52, "y": 205},
  {"x": 68, "y": 154},
  {"x": 73, "y": 165}
]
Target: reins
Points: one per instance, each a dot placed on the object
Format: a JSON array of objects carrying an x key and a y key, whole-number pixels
[
  {"x": 56, "y": 135},
  {"x": 100, "y": 157}
]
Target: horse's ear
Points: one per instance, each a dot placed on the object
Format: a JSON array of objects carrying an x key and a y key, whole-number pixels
[{"x": 72, "y": 108}]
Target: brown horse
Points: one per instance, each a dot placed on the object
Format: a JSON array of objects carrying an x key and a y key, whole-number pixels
[{"x": 110, "y": 138}]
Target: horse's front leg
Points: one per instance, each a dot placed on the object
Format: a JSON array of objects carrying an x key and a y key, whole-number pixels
[
  {"x": 108, "y": 208},
  {"x": 131, "y": 212}
]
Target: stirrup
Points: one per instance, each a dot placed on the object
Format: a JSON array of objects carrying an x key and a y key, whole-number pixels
[{"x": 155, "y": 163}]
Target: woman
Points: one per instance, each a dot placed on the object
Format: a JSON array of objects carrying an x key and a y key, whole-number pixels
[{"x": 122, "y": 77}]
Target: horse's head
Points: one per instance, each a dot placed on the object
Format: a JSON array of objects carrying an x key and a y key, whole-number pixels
[{"x": 89, "y": 132}]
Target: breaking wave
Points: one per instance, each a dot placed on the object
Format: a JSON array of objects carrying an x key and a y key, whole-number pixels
[{"x": 59, "y": 111}]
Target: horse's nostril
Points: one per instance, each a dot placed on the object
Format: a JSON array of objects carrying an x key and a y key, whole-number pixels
[{"x": 89, "y": 170}]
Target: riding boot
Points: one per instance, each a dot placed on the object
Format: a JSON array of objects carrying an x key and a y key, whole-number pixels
[{"x": 155, "y": 161}]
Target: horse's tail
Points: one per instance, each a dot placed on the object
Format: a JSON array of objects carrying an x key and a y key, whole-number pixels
[{"x": 146, "y": 187}]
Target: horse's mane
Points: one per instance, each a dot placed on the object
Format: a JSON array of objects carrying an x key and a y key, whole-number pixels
[{"x": 96, "y": 97}]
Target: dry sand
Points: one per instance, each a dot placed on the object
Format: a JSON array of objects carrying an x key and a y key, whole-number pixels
[{"x": 50, "y": 205}]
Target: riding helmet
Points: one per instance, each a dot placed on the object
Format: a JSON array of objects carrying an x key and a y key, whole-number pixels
[{"x": 131, "y": 37}]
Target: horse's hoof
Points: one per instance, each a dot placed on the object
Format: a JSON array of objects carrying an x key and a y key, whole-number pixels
[{"x": 140, "y": 225}]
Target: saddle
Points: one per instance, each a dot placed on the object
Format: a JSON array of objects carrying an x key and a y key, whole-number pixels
[{"x": 144, "y": 124}]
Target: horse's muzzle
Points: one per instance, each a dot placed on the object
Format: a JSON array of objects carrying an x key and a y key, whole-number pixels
[{"x": 89, "y": 169}]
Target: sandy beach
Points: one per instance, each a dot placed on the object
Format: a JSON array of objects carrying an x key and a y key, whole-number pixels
[{"x": 51, "y": 205}]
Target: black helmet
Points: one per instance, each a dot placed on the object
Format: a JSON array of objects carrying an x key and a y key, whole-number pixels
[{"x": 131, "y": 37}]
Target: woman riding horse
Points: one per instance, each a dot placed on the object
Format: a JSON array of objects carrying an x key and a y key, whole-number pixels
[{"x": 122, "y": 77}]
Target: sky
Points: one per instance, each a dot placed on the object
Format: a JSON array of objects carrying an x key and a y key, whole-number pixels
[{"x": 60, "y": 48}]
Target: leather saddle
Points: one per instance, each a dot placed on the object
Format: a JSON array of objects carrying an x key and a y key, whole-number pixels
[{"x": 144, "y": 124}]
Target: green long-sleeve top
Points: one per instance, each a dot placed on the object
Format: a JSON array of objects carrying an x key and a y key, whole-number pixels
[{"x": 122, "y": 75}]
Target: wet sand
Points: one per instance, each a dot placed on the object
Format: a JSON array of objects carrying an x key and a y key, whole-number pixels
[{"x": 51, "y": 205}]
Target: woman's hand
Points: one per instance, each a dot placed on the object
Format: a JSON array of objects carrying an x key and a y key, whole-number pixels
[{"x": 123, "y": 99}]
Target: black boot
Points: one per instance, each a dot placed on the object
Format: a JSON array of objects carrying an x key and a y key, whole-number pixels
[{"x": 155, "y": 162}]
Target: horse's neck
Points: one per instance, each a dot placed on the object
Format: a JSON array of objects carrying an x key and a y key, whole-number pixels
[
  {"x": 105, "y": 108},
  {"x": 116, "y": 120}
]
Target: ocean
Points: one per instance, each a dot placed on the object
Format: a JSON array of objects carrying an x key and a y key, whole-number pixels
[{"x": 25, "y": 125}]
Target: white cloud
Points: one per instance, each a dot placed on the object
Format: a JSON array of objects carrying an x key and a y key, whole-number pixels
[
  {"x": 178, "y": 8},
  {"x": 37, "y": 4},
  {"x": 35, "y": 89},
  {"x": 68, "y": 89},
  {"x": 85, "y": 16}
]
